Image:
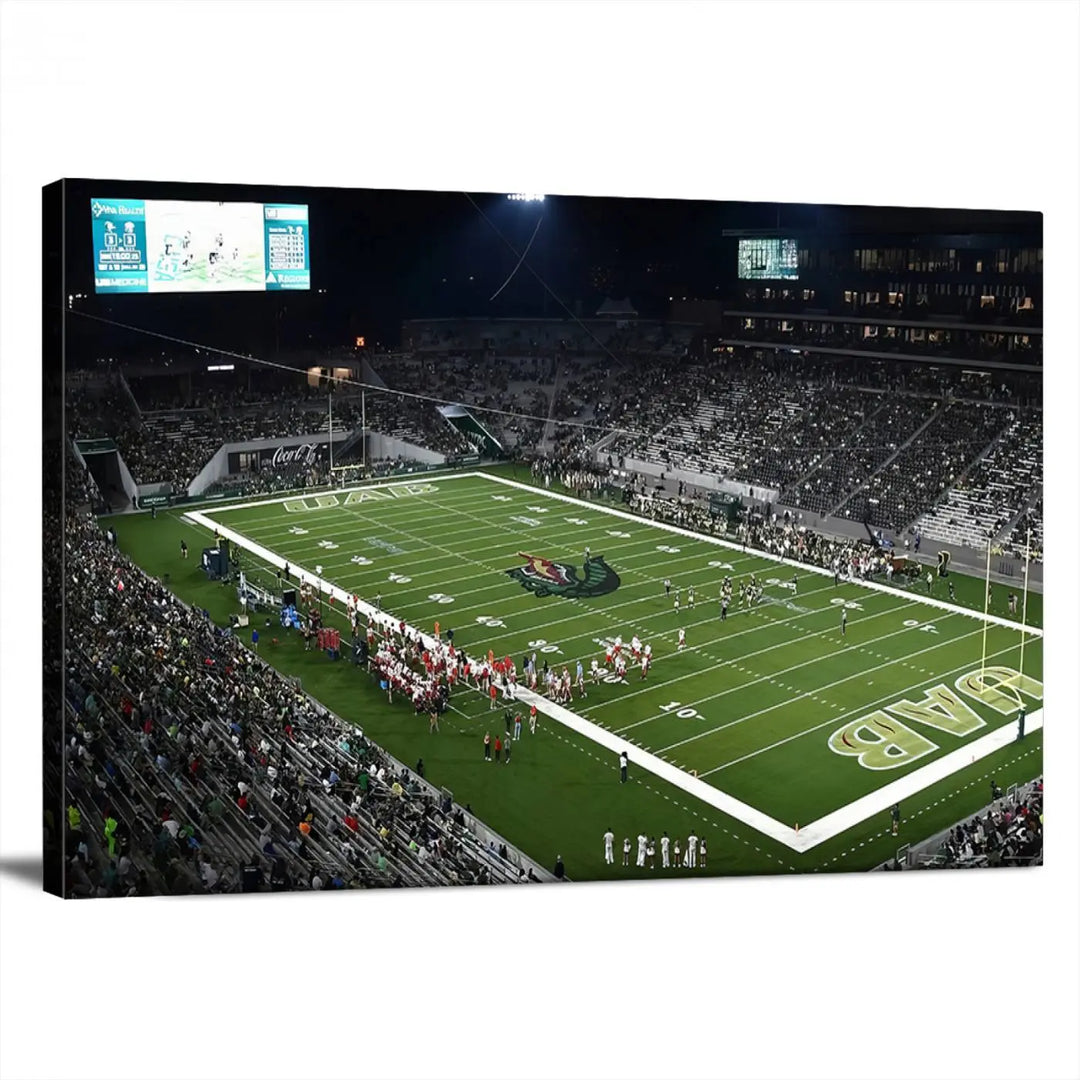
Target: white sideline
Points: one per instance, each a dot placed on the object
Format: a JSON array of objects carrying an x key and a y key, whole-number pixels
[
  {"x": 808, "y": 836},
  {"x": 1034, "y": 631},
  {"x": 638, "y": 757},
  {"x": 879, "y": 801}
]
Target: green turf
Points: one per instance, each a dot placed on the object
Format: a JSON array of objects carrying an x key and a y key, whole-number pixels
[{"x": 759, "y": 694}]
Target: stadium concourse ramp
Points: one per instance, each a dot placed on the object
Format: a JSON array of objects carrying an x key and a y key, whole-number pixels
[
  {"x": 797, "y": 839},
  {"x": 478, "y": 436}
]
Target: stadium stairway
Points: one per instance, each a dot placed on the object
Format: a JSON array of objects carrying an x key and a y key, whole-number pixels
[
  {"x": 887, "y": 462},
  {"x": 787, "y": 495},
  {"x": 959, "y": 481},
  {"x": 1006, "y": 531}
]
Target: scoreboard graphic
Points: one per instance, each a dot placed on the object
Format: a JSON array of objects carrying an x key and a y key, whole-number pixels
[
  {"x": 160, "y": 246},
  {"x": 766, "y": 259}
]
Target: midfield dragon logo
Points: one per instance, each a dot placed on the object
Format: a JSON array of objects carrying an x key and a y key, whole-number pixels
[{"x": 546, "y": 578}]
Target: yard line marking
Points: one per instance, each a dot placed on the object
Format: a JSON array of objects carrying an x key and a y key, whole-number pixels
[
  {"x": 691, "y": 785},
  {"x": 852, "y": 712},
  {"x": 816, "y": 690},
  {"x": 876, "y": 802},
  {"x": 640, "y": 623},
  {"x": 746, "y": 671},
  {"x": 534, "y": 491},
  {"x": 809, "y": 568}
]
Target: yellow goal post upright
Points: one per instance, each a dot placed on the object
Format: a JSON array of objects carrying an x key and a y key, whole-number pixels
[
  {"x": 1023, "y": 617},
  {"x": 1019, "y": 681},
  {"x": 986, "y": 606},
  {"x": 351, "y": 467}
]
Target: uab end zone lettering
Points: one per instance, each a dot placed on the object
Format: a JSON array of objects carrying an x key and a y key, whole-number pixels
[
  {"x": 325, "y": 502},
  {"x": 881, "y": 740}
]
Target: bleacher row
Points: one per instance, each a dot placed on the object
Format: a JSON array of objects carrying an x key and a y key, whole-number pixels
[
  {"x": 864, "y": 440},
  {"x": 887, "y": 458},
  {"x": 995, "y": 491},
  {"x": 1009, "y": 832},
  {"x": 191, "y": 765},
  {"x": 1028, "y": 526},
  {"x": 923, "y": 470}
]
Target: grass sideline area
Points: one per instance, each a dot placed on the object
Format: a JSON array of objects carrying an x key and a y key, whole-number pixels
[{"x": 749, "y": 704}]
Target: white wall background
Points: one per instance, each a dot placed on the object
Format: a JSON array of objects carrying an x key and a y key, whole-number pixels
[{"x": 954, "y": 104}]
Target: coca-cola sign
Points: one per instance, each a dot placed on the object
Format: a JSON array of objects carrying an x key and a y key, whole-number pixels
[{"x": 306, "y": 454}]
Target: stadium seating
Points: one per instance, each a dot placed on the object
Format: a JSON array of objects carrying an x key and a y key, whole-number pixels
[
  {"x": 994, "y": 491},
  {"x": 870, "y": 440},
  {"x": 925, "y": 468},
  {"x": 192, "y": 766},
  {"x": 889, "y": 422},
  {"x": 1008, "y": 832},
  {"x": 1016, "y": 542},
  {"x": 82, "y": 489}
]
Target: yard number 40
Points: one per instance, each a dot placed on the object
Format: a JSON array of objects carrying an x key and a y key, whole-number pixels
[{"x": 683, "y": 712}]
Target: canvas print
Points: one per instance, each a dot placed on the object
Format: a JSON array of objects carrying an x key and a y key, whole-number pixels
[{"x": 454, "y": 538}]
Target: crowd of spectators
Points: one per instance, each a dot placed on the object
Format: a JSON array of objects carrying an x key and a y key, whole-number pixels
[
  {"x": 414, "y": 421},
  {"x": 1029, "y": 524},
  {"x": 170, "y": 437},
  {"x": 511, "y": 338},
  {"x": 1009, "y": 833},
  {"x": 826, "y": 435},
  {"x": 922, "y": 472},
  {"x": 818, "y": 431},
  {"x": 191, "y": 765},
  {"x": 80, "y": 487},
  {"x": 995, "y": 489},
  {"x": 675, "y": 503}
]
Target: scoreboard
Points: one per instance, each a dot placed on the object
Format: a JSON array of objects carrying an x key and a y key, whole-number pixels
[
  {"x": 768, "y": 259},
  {"x": 158, "y": 246}
]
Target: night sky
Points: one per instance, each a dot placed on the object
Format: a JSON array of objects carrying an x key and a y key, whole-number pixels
[{"x": 384, "y": 256}]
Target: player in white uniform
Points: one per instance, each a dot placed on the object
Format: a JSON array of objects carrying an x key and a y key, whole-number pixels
[
  {"x": 682, "y": 638},
  {"x": 641, "y": 841},
  {"x": 690, "y": 598},
  {"x": 702, "y": 852},
  {"x": 691, "y": 849},
  {"x": 595, "y": 672},
  {"x": 626, "y": 851},
  {"x": 676, "y": 601},
  {"x": 635, "y": 647},
  {"x": 665, "y": 851},
  {"x": 609, "y": 848}
]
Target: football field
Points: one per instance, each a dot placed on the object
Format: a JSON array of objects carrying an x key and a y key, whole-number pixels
[{"x": 777, "y": 715}]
